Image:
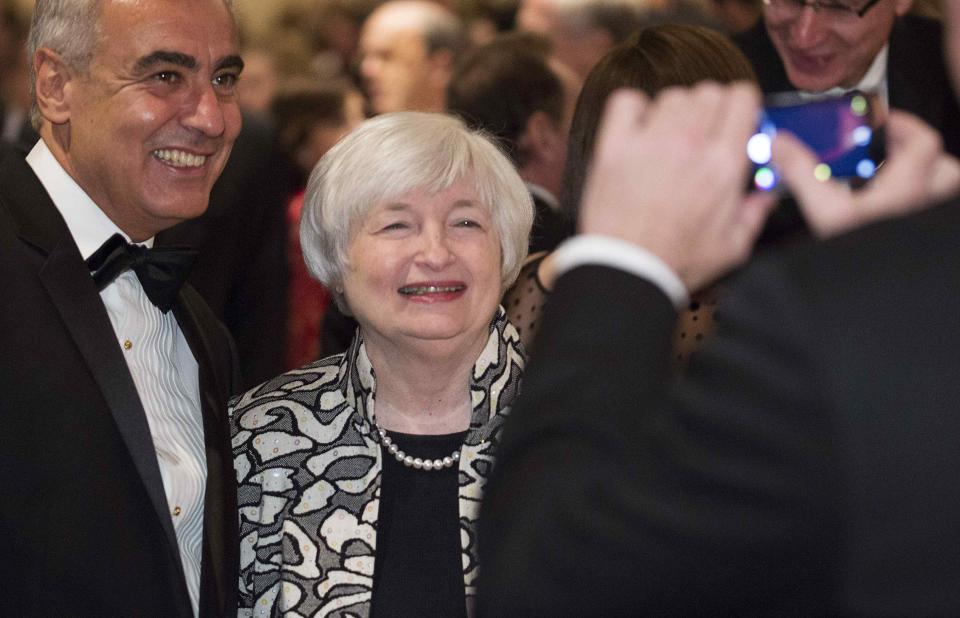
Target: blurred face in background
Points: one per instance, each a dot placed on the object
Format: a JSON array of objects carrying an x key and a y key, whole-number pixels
[
  {"x": 824, "y": 48},
  {"x": 323, "y": 136},
  {"x": 577, "y": 47},
  {"x": 259, "y": 84},
  {"x": 399, "y": 73}
]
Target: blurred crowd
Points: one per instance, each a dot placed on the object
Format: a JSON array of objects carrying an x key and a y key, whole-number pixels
[
  {"x": 514, "y": 68},
  {"x": 374, "y": 202}
]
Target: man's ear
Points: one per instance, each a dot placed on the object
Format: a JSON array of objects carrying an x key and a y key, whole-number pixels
[
  {"x": 441, "y": 65},
  {"x": 52, "y": 86},
  {"x": 541, "y": 138}
]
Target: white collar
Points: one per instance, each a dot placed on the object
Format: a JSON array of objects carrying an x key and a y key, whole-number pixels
[
  {"x": 88, "y": 225},
  {"x": 549, "y": 198},
  {"x": 873, "y": 81}
]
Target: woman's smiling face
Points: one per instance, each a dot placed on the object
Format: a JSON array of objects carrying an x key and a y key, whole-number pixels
[{"x": 425, "y": 267}]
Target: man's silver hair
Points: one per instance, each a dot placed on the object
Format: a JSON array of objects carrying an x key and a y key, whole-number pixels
[
  {"x": 619, "y": 18},
  {"x": 442, "y": 29},
  {"x": 396, "y": 153},
  {"x": 71, "y": 28}
]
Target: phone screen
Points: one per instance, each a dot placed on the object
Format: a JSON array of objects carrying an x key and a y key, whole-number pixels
[{"x": 837, "y": 129}]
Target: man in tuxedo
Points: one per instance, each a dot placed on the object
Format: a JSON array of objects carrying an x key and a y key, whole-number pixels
[
  {"x": 873, "y": 46},
  {"x": 118, "y": 486},
  {"x": 805, "y": 463},
  {"x": 513, "y": 89}
]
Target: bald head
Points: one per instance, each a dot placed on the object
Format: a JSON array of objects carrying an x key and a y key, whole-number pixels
[
  {"x": 582, "y": 31},
  {"x": 408, "y": 49}
]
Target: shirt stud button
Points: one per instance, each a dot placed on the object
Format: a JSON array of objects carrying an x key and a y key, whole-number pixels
[
  {"x": 127, "y": 344},
  {"x": 177, "y": 510}
]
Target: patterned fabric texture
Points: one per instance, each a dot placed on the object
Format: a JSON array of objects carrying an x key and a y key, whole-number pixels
[{"x": 308, "y": 464}]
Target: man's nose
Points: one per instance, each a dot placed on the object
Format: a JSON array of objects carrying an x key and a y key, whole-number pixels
[
  {"x": 808, "y": 28},
  {"x": 204, "y": 112}
]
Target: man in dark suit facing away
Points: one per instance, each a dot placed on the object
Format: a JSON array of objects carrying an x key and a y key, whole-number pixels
[
  {"x": 806, "y": 463},
  {"x": 118, "y": 485}
]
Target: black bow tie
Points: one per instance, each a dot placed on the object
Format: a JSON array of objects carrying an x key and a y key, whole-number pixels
[{"x": 161, "y": 270}]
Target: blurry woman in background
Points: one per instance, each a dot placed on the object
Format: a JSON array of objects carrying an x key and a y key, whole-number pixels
[
  {"x": 310, "y": 119},
  {"x": 361, "y": 475},
  {"x": 653, "y": 59}
]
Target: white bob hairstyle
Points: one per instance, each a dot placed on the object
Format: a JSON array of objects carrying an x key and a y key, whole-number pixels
[{"x": 393, "y": 154}]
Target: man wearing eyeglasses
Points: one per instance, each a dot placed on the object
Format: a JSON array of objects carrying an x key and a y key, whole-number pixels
[{"x": 833, "y": 46}]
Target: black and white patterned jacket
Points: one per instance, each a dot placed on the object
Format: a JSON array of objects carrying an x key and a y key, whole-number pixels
[{"x": 308, "y": 463}]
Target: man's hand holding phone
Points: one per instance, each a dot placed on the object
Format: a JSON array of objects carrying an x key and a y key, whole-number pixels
[
  {"x": 916, "y": 172},
  {"x": 669, "y": 174}
]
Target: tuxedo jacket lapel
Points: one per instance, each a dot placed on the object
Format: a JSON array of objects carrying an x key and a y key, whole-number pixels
[
  {"x": 220, "y": 528},
  {"x": 65, "y": 277}
]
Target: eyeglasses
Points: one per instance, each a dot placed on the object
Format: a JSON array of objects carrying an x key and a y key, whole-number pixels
[{"x": 840, "y": 9}]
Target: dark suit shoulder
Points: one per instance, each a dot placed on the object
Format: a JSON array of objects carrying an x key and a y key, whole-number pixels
[
  {"x": 756, "y": 45},
  {"x": 897, "y": 247},
  {"x": 918, "y": 77}
]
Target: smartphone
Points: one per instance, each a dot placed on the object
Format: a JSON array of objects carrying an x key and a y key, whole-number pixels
[{"x": 840, "y": 130}]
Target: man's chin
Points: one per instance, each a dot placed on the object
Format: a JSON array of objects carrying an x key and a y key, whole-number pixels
[
  {"x": 179, "y": 210},
  {"x": 808, "y": 82}
]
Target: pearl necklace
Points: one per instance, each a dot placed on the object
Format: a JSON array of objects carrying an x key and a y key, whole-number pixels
[{"x": 416, "y": 462}]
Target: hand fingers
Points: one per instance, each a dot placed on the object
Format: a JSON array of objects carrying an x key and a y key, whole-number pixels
[
  {"x": 903, "y": 129},
  {"x": 946, "y": 178},
  {"x": 738, "y": 120},
  {"x": 622, "y": 116},
  {"x": 913, "y": 149},
  {"x": 623, "y": 111},
  {"x": 753, "y": 212},
  {"x": 824, "y": 204},
  {"x": 687, "y": 114},
  {"x": 618, "y": 147}
]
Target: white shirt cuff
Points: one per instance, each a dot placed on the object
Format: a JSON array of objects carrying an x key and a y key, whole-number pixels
[{"x": 622, "y": 255}]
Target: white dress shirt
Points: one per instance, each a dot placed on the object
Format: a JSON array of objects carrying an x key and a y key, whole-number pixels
[
  {"x": 874, "y": 81},
  {"x": 608, "y": 251},
  {"x": 161, "y": 363}
]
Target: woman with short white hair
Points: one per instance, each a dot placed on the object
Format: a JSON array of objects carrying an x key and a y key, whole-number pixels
[{"x": 361, "y": 474}]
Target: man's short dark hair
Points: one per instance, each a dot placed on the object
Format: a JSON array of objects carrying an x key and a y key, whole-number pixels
[{"x": 497, "y": 87}]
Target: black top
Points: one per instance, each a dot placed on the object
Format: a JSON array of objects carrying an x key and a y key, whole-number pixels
[{"x": 418, "y": 569}]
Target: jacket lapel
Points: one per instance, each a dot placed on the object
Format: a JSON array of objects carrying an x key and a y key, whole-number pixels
[
  {"x": 67, "y": 280},
  {"x": 220, "y": 526}
]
